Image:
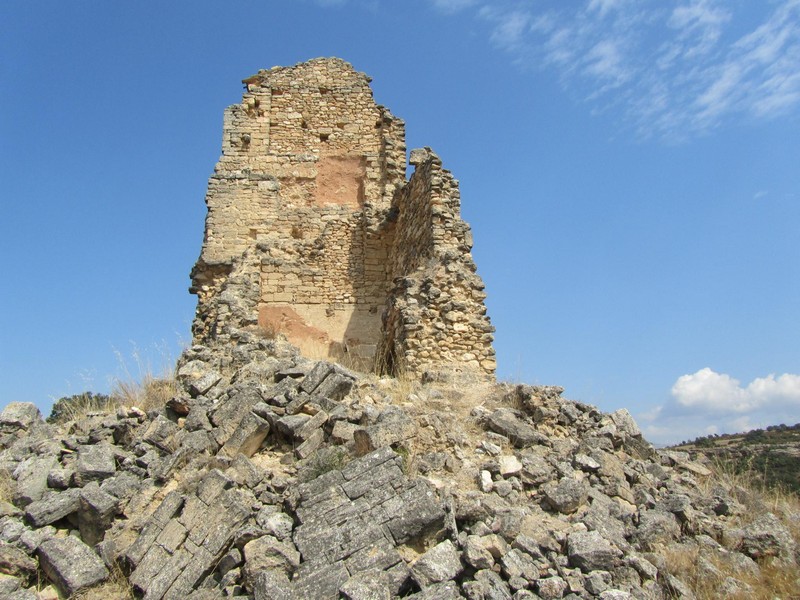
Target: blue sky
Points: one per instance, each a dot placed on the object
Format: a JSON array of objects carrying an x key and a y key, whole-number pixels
[{"x": 629, "y": 168}]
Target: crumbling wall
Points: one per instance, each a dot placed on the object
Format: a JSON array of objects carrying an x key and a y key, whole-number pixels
[{"x": 310, "y": 198}]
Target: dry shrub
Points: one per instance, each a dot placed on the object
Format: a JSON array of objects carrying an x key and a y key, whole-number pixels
[
  {"x": 145, "y": 390},
  {"x": 80, "y": 406},
  {"x": 147, "y": 394}
]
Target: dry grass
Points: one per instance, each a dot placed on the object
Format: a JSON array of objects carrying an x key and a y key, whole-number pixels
[
  {"x": 7, "y": 486},
  {"x": 144, "y": 389},
  {"x": 147, "y": 394},
  {"x": 775, "y": 579},
  {"x": 74, "y": 408},
  {"x": 115, "y": 587},
  {"x": 706, "y": 573}
]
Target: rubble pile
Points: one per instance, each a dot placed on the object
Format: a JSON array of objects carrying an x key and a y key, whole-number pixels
[{"x": 294, "y": 478}]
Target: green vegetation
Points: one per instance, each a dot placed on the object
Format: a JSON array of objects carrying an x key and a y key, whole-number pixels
[{"x": 771, "y": 455}]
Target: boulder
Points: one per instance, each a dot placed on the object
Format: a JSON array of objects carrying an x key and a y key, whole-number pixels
[
  {"x": 440, "y": 563},
  {"x": 70, "y": 564},
  {"x": 589, "y": 551}
]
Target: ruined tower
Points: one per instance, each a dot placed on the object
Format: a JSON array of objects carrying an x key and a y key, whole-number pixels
[{"x": 314, "y": 232}]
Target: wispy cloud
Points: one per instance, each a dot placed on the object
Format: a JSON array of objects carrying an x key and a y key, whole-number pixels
[
  {"x": 709, "y": 402},
  {"x": 672, "y": 71},
  {"x": 452, "y": 6}
]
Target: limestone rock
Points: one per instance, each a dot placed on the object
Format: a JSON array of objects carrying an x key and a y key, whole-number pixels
[
  {"x": 440, "y": 563},
  {"x": 70, "y": 564}
]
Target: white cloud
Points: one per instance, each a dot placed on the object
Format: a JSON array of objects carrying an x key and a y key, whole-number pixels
[
  {"x": 670, "y": 70},
  {"x": 708, "y": 402},
  {"x": 720, "y": 393}
]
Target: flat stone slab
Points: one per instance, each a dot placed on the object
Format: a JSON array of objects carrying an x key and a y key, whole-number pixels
[{"x": 70, "y": 564}]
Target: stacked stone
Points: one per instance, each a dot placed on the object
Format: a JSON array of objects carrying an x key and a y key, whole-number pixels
[
  {"x": 310, "y": 194},
  {"x": 436, "y": 319}
]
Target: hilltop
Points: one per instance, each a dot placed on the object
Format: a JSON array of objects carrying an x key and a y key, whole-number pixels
[
  {"x": 770, "y": 455},
  {"x": 335, "y": 429}
]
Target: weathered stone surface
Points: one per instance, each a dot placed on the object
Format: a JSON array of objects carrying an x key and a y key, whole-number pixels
[
  {"x": 269, "y": 553},
  {"x": 198, "y": 377},
  {"x": 367, "y": 585},
  {"x": 392, "y": 426},
  {"x": 70, "y": 564},
  {"x": 567, "y": 495},
  {"x": 765, "y": 537},
  {"x": 53, "y": 507},
  {"x": 247, "y": 437},
  {"x": 95, "y": 463},
  {"x": 589, "y": 551},
  {"x": 272, "y": 585},
  {"x": 31, "y": 475},
  {"x": 97, "y": 511},
  {"x": 15, "y": 562},
  {"x": 505, "y": 422},
  {"x": 19, "y": 415},
  {"x": 440, "y": 563}
]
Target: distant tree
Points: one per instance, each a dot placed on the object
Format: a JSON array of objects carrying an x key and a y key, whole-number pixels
[{"x": 71, "y": 407}]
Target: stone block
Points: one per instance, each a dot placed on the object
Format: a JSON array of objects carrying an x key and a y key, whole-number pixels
[
  {"x": 70, "y": 564},
  {"x": 505, "y": 422},
  {"x": 316, "y": 376},
  {"x": 247, "y": 437},
  {"x": 198, "y": 377},
  {"x": 440, "y": 563},
  {"x": 97, "y": 511},
  {"x": 311, "y": 445},
  {"x": 53, "y": 507},
  {"x": 269, "y": 553},
  {"x": 16, "y": 563},
  {"x": 19, "y": 415},
  {"x": 335, "y": 387},
  {"x": 272, "y": 585},
  {"x": 31, "y": 475}
]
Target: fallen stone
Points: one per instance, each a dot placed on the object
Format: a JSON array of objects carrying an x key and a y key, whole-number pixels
[
  {"x": 97, "y": 512},
  {"x": 247, "y": 437},
  {"x": 567, "y": 495},
  {"x": 70, "y": 564},
  {"x": 31, "y": 475},
  {"x": 315, "y": 377},
  {"x": 765, "y": 537},
  {"x": 19, "y": 415},
  {"x": 95, "y": 463},
  {"x": 53, "y": 507},
  {"x": 393, "y": 426},
  {"x": 368, "y": 585},
  {"x": 8, "y": 585},
  {"x": 440, "y": 563},
  {"x": 589, "y": 551},
  {"x": 506, "y": 422},
  {"x": 16, "y": 563},
  {"x": 197, "y": 377},
  {"x": 272, "y": 585},
  {"x": 269, "y": 553},
  {"x": 509, "y": 465}
]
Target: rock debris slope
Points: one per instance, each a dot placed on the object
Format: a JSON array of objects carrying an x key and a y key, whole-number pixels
[
  {"x": 295, "y": 478},
  {"x": 272, "y": 476}
]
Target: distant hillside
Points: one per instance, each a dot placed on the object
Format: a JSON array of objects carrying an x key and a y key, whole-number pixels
[{"x": 772, "y": 454}]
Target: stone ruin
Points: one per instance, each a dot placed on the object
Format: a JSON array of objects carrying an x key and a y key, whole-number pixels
[{"x": 314, "y": 232}]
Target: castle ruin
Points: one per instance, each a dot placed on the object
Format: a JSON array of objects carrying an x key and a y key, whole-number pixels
[{"x": 313, "y": 231}]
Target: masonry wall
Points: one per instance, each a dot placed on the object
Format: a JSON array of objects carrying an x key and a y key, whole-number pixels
[{"x": 309, "y": 199}]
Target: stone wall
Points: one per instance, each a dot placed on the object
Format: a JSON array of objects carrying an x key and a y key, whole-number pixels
[{"x": 313, "y": 231}]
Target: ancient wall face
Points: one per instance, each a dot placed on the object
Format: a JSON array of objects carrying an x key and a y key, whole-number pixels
[{"x": 309, "y": 199}]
